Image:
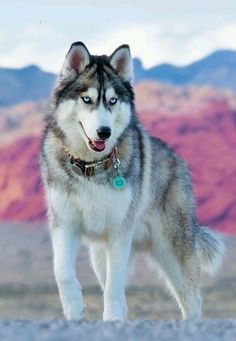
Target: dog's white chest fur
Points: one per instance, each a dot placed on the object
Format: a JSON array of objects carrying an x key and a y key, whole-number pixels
[
  {"x": 93, "y": 208},
  {"x": 102, "y": 207}
]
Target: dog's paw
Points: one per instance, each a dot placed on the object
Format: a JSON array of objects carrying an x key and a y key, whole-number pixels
[
  {"x": 125, "y": 309},
  {"x": 115, "y": 311},
  {"x": 74, "y": 311}
]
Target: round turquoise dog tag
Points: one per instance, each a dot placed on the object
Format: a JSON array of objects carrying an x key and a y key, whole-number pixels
[{"x": 119, "y": 182}]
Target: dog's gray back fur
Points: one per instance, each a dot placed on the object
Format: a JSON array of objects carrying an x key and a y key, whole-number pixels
[{"x": 157, "y": 178}]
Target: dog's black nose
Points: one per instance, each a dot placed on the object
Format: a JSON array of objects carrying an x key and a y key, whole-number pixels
[{"x": 104, "y": 133}]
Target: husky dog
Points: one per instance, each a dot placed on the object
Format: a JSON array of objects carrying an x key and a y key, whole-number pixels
[{"x": 110, "y": 185}]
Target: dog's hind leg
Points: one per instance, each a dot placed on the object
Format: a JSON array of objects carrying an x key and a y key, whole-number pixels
[
  {"x": 98, "y": 261},
  {"x": 175, "y": 257},
  {"x": 182, "y": 281},
  {"x": 65, "y": 243}
]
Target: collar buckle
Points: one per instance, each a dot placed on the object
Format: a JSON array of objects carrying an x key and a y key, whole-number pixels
[{"x": 89, "y": 170}]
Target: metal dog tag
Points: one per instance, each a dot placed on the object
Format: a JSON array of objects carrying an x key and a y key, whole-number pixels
[{"x": 119, "y": 182}]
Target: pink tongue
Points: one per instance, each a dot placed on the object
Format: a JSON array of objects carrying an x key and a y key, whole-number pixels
[{"x": 100, "y": 145}]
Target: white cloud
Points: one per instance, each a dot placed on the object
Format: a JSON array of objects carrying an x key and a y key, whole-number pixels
[
  {"x": 33, "y": 44},
  {"x": 178, "y": 41},
  {"x": 174, "y": 41}
]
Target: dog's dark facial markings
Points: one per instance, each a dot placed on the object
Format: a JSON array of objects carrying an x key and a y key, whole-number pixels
[{"x": 98, "y": 73}]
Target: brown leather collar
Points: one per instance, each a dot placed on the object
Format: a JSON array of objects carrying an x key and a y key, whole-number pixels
[{"x": 92, "y": 168}]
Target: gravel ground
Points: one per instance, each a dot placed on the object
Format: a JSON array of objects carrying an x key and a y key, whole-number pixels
[{"x": 55, "y": 330}]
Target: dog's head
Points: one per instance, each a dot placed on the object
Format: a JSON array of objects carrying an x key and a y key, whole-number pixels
[{"x": 94, "y": 99}]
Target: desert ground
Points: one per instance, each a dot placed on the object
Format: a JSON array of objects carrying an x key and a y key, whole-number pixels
[{"x": 28, "y": 289}]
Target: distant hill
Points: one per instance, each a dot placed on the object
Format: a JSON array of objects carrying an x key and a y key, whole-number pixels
[
  {"x": 32, "y": 84},
  {"x": 218, "y": 70},
  {"x": 27, "y": 84}
]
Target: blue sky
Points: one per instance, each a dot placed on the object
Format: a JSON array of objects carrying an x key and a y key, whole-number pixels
[{"x": 178, "y": 32}]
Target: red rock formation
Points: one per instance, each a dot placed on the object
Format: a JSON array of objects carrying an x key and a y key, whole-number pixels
[
  {"x": 200, "y": 123},
  {"x": 208, "y": 143},
  {"x": 21, "y": 193}
]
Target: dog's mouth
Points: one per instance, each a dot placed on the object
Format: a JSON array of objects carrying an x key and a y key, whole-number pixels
[{"x": 96, "y": 145}]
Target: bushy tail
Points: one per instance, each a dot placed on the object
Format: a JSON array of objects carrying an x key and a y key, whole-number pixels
[{"x": 212, "y": 248}]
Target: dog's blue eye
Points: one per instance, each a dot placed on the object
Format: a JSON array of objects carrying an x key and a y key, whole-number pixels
[
  {"x": 87, "y": 99},
  {"x": 113, "y": 100}
]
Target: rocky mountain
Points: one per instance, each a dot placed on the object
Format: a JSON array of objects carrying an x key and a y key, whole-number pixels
[
  {"x": 20, "y": 186},
  {"x": 21, "y": 121},
  {"x": 32, "y": 84},
  {"x": 218, "y": 70},
  {"x": 27, "y": 84},
  {"x": 199, "y": 122}
]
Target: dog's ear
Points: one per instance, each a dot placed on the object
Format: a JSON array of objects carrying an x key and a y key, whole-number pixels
[
  {"x": 121, "y": 61},
  {"x": 76, "y": 60}
]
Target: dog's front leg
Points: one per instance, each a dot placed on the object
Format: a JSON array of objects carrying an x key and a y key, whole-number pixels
[
  {"x": 65, "y": 244},
  {"x": 118, "y": 252}
]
